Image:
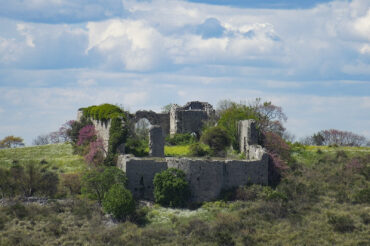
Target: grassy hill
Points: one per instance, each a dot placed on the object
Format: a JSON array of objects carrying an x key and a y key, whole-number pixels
[
  {"x": 323, "y": 199},
  {"x": 59, "y": 156}
]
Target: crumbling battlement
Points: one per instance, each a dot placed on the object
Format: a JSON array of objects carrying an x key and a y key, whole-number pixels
[
  {"x": 186, "y": 119},
  {"x": 207, "y": 178}
]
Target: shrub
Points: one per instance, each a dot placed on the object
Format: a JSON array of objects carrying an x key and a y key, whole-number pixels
[
  {"x": 275, "y": 144},
  {"x": 248, "y": 193},
  {"x": 171, "y": 188},
  {"x": 28, "y": 180},
  {"x": 199, "y": 149},
  {"x": 136, "y": 147},
  {"x": 119, "y": 202},
  {"x": 18, "y": 210},
  {"x": 95, "y": 183},
  {"x": 217, "y": 138},
  {"x": 5, "y": 185},
  {"x": 341, "y": 222},
  {"x": 362, "y": 196},
  {"x": 181, "y": 139},
  {"x": 71, "y": 181}
]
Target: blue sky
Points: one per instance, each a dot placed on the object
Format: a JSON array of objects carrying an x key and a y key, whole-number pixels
[{"x": 310, "y": 57}]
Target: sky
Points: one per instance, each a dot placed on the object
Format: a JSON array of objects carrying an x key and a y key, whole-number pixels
[{"x": 312, "y": 58}]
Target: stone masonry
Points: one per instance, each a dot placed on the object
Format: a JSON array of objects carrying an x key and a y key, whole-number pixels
[
  {"x": 207, "y": 178},
  {"x": 156, "y": 142}
]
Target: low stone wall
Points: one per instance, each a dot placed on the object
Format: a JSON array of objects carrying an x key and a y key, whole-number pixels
[{"x": 207, "y": 178}]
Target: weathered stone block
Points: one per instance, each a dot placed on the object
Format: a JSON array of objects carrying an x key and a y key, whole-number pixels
[{"x": 156, "y": 142}]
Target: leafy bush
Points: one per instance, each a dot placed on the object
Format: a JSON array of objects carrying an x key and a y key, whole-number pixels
[
  {"x": 137, "y": 147},
  {"x": 28, "y": 180},
  {"x": 341, "y": 222},
  {"x": 217, "y": 138},
  {"x": 72, "y": 182},
  {"x": 95, "y": 183},
  {"x": 248, "y": 193},
  {"x": 181, "y": 139},
  {"x": 199, "y": 149},
  {"x": 119, "y": 201},
  {"x": 171, "y": 188}
]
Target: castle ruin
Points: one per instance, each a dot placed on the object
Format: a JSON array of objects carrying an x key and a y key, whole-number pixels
[{"x": 206, "y": 177}]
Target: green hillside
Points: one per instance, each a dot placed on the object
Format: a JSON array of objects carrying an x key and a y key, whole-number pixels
[
  {"x": 322, "y": 199},
  {"x": 60, "y": 157}
]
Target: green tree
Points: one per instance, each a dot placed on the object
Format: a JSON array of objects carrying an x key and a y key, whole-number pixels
[
  {"x": 231, "y": 115},
  {"x": 119, "y": 201},
  {"x": 217, "y": 138},
  {"x": 171, "y": 188},
  {"x": 96, "y": 182}
]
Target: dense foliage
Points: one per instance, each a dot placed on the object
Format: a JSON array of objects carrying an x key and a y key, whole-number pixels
[
  {"x": 117, "y": 136},
  {"x": 96, "y": 182},
  {"x": 29, "y": 179},
  {"x": 180, "y": 139},
  {"x": 171, "y": 188},
  {"x": 217, "y": 138},
  {"x": 119, "y": 202},
  {"x": 103, "y": 112},
  {"x": 230, "y": 117}
]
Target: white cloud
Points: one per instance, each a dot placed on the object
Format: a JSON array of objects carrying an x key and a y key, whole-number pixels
[
  {"x": 134, "y": 44},
  {"x": 362, "y": 25}
]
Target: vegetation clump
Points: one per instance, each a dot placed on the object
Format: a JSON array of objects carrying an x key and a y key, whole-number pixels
[
  {"x": 97, "y": 181},
  {"x": 171, "y": 188},
  {"x": 217, "y": 139},
  {"x": 119, "y": 202},
  {"x": 181, "y": 139},
  {"x": 103, "y": 112}
]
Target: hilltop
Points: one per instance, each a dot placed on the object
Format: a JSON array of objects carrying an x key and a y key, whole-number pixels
[{"x": 322, "y": 199}]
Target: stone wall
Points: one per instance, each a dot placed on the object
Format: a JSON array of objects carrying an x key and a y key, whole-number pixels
[
  {"x": 207, "y": 178},
  {"x": 156, "y": 142},
  {"x": 162, "y": 119},
  {"x": 189, "y": 118},
  {"x": 140, "y": 173}
]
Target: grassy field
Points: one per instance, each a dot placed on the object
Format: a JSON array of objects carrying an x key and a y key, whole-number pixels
[
  {"x": 322, "y": 199},
  {"x": 180, "y": 150},
  {"x": 60, "y": 157}
]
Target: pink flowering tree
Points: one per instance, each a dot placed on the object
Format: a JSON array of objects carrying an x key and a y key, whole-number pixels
[
  {"x": 86, "y": 135},
  {"x": 95, "y": 156}
]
